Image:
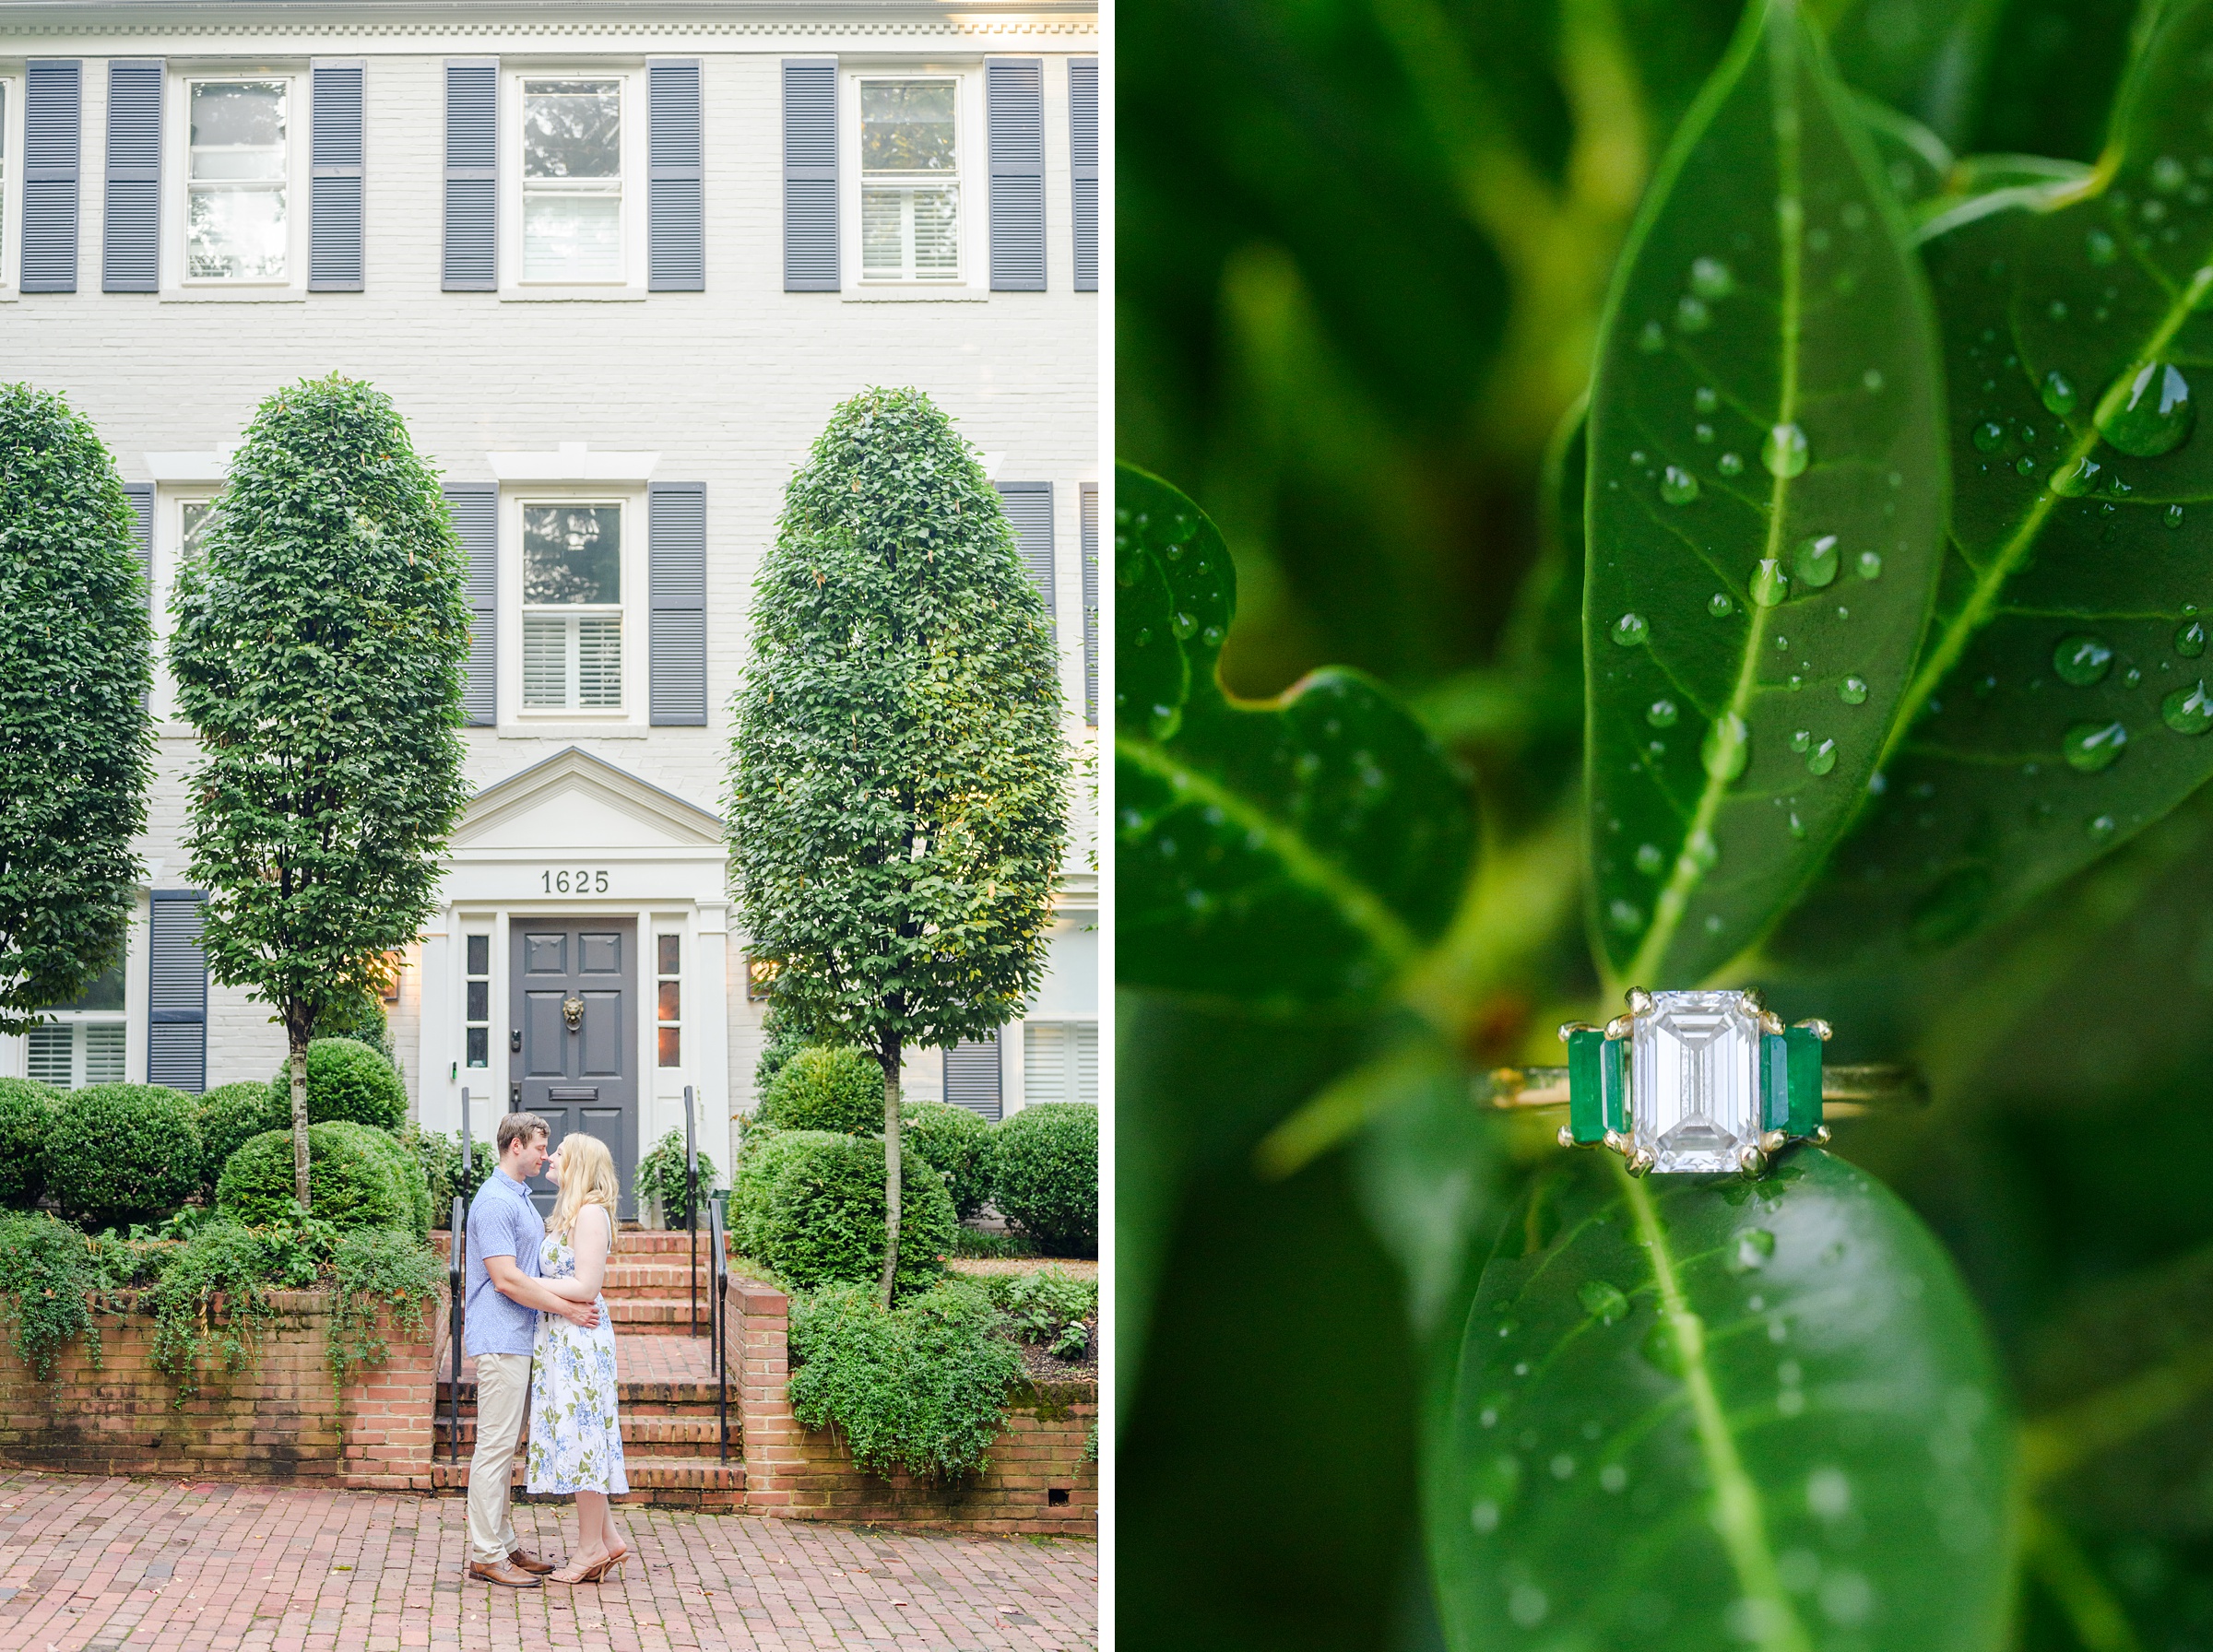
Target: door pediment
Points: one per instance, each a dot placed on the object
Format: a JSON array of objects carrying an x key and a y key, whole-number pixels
[{"x": 573, "y": 800}]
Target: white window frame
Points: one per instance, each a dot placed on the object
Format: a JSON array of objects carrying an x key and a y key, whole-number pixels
[
  {"x": 493, "y": 1018},
  {"x": 972, "y": 175},
  {"x": 632, "y": 609},
  {"x": 169, "y": 501},
  {"x": 176, "y": 166},
  {"x": 634, "y": 131},
  {"x": 680, "y": 1026},
  {"x": 11, "y": 179}
]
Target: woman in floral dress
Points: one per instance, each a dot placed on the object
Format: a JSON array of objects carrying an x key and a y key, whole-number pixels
[{"x": 575, "y": 1428}]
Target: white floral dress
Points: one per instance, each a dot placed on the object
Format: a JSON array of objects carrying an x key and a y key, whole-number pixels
[{"x": 575, "y": 1425}]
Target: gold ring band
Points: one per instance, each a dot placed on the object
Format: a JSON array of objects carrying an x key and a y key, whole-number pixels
[{"x": 1846, "y": 1091}]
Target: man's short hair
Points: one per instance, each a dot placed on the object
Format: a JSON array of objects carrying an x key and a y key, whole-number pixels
[{"x": 519, "y": 1126}]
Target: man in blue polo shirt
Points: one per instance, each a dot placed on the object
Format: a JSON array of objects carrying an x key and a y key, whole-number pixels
[{"x": 505, "y": 1301}]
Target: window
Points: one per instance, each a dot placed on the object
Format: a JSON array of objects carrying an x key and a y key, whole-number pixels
[
  {"x": 192, "y": 515},
  {"x": 573, "y": 606},
  {"x": 477, "y": 1010},
  {"x": 1059, "y": 1062},
  {"x": 572, "y": 180},
  {"x": 83, "y": 1042},
  {"x": 237, "y": 171},
  {"x": 669, "y": 1009},
  {"x": 910, "y": 186}
]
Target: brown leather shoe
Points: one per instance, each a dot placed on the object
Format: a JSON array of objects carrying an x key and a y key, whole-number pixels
[
  {"x": 502, "y": 1573},
  {"x": 526, "y": 1561}
]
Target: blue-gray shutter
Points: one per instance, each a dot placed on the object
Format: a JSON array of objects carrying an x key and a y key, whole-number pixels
[
  {"x": 176, "y": 998},
  {"x": 1091, "y": 603},
  {"x": 1084, "y": 167},
  {"x": 472, "y": 173},
  {"x": 476, "y": 508},
  {"x": 675, "y": 211},
  {"x": 1014, "y": 130},
  {"x": 810, "y": 174},
  {"x": 333, "y": 240},
  {"x": 141, "y": 496},
  {"x": 972, "y": 1078},
  {"x": 676, "y": 541},
  {"x": 52, "y": 119},
  {"x": 130, "y": 254},
  {"x": 1029, "y": 507}
]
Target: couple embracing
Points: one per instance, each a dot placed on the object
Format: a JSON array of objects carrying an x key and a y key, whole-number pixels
[{"x": 542, "y": 1342}]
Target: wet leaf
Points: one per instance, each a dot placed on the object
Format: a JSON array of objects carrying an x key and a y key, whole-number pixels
[
  {"x": 1299, "y": 850},
  {"x": 1766, "y": 485},
  {"x": 2058, "y": 697},
  {"x": 1693, "y": 1413}
]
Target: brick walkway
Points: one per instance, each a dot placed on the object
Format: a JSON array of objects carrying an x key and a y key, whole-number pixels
[{"x": 113, "y": 1565}]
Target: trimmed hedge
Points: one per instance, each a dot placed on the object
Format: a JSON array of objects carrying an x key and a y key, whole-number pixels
[
  {"x": 26, "y": 1120},
  {"x": 824, "y": 1087},
  {"x": 355, "y": 1178},
  {"x": 955, "y": 1143},
  {"x": 121, "y": 1153},
  {"x": 344, "y": 1080},
  {"x": 811, "y": 1206},
  {"x": 1045, "y": 1175},
  {"x": 230, "y": 1115}
]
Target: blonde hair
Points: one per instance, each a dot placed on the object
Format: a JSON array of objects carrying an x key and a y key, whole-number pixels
[{"x": 587, "y": 1177}]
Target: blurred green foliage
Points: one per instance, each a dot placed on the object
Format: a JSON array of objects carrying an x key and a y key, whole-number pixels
[{"x": 1363, "y": 248}]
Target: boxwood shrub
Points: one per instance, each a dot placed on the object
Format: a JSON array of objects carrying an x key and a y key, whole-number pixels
[
  {"x": 660, "y": 1177},
  {"x": 230, "y": 1115},
  {"x": 26, "y": 1120},
  {"x": 811, "y": 1208},
  {"x": 344, "y": 1080},
  {"x": 1045, "y": 1175},
  {"x": 121, "y": 1153},
  {"x": 955, "y": 1143},
  {"x": 439, "y": 1159},
  {"x": 353, "y": 1177},
  {"x": 823, "y": 1086}
]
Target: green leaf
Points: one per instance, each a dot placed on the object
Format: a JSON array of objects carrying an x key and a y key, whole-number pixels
[
  {"x": 1695, "y": 1413},
  {"x": 2056, "y": 710},
  {"x": 1297, "y": 850},
  {"x": 1767, "y": 482}
]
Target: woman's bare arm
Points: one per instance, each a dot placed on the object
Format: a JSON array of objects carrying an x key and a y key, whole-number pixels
[{"x": 591, "y": 1238}]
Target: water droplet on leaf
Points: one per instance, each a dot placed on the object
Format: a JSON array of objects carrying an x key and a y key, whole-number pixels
[
  {"x": 1704, "y": 399},
  {"x": 2188, "y": 710},
  {"x": 1802, "y": 739},
  {"x": 1815, "y": 561},
  {"x": 1768, "y": 583},
  {"x": 1727, "y": 746},
  {"x": 1184, "y": 625},
  {"x": 2100, "y": 247},
  {"x": 2075, "y": 478},
  {"x": 1754, "y": 1247},
  {"x": 2190, "y": 639},
  {"x": 1730, "y": 463},
  {"x": 1711, "y": 278},
  {"x": 2094, "y": 747},
  {"x": 1785, "y": 451},
  {"x": 1677, "y": 485},
  {"x": 2174, "y": 516},
  {"x": 1625, "y": 917},
  {"x": 1872, "y": 379},
  {"x": 2057, "y": 391},
  {"x": 2082, "y": 660},
  {"x": 1852, "y": 691},
  {"x": 1988, "y": 437},
  {"x": 2101, "y": 826},
  {"x": 1661, "y": 714},
  {"x": 1871, "y": 564},
  {"x": 1650, "y": 339},
  {"x": 1630, "y": 630},
  {"x": 1822, "y": 758},
  {"x": 1650, "y": 860},
  {"x": 1701, "y": 432},
  {"x": 2148, "y": 412},
  {"x": 1719, "y": 605},
  {"x": 1602, "y": 1300}
]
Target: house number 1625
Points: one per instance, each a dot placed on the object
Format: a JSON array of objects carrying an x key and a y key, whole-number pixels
[{"x": 579, "y": 882}]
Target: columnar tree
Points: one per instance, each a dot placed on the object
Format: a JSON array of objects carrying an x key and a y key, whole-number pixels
[
  {"x": 898, "y": 771},
  {"x": 76, "y": 740},
  {"x": 318, "y": 648}
]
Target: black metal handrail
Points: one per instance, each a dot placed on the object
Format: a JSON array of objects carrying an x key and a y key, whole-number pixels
[
  {"x": 720, "y": 1315},
  {"x": 454, "y": 1264},
  {"x": 692, "y": 1202}
]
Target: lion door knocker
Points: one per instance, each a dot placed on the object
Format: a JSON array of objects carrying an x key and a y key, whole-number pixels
[{"x": 571, "y": 1012}]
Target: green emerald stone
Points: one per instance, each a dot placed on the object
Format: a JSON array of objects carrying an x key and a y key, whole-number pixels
[
  {"x": 1587, "y": 1063},
  {"x": 1774, "y": 1081},
  {"x": 1614, "y": 1084},
  {"x": 1805, "y": 1086}
]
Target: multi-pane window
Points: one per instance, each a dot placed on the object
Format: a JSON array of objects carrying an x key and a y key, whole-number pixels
[
  {"x": 83, "y": 1041},
  {"x": 573, "y": 606},
  {"x": 573, "y": 179},
  {"x": 668, "y": 1006},
  {"x": 236, "y": 174},
  {"x": 477, "y": 1005},
  {"x": 1059, "y": 1062},
  {"x": 910, "y": 187},
  {"x": 193, "y": 516}
]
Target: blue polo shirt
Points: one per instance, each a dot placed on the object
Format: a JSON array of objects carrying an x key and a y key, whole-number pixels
[{"x": 502, "y": 1222}]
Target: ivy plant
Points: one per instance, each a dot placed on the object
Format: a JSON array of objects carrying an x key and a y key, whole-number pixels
[{"x": 320, "y": 632}]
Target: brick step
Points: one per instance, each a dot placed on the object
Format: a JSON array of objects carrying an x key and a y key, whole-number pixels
[
  {"x": 684, "y": 1434},
  {"x": 659, "y": 1277},
  {"x": 669, "y": 1399},
  {"x": 661, "y": 1242},
  {"x": 646, "y": 1474},
  {"x": 673, "y": 1310}
]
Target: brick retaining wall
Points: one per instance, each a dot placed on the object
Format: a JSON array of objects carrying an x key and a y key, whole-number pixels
[
  {"x": 805, "y": 1475},
  {"x": 280, "y": 1417}
]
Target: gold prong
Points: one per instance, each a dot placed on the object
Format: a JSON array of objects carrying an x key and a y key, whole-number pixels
[
  {"x": 1618, "y": 1142},
  {"x": 1567, "y": 1137},
  {"x": 1754, "y": 1000},
  {"x": 1821, "y": 1136},
  {"x": 1769, "y": 1023},
  {"x": 1567, "y": 1027},
  {"x": 1773, "y": 1141},
  {"x": 1639, "y": 1001},
  {"x": 1641, "y": 1162},
  {"x": 1817, "y": 1027},
  {"x": 1618, "y": 1027},
  {"x": 1751, "y": 1161}
]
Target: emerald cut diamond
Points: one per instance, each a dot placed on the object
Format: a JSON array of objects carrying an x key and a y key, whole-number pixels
[{"x": 1695, "y": 1080}]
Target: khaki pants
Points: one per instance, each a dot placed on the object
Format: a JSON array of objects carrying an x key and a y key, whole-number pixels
[{"x": 503, "y": 1393}]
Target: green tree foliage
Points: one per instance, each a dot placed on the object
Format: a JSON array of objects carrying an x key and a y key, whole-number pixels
[
  {"x": 346, "y": 1078},
  {"x": 362, "y": 1179},
  {"x": 319, "y": 639},
  {"x": 232, "y": 1114},
  {"x": 898, "y": 774},
  {"x": 922, "y": 1386},
  {"x": 824, "y": 1087},
  {"x": 1045, "y": 1175},
  {"x": 955, "y": 1143},
  {"x": 121, "y": 1153},
  {"x": 76, "y": 738},
  {"x": 440, "y": 1160},
  {"x": 26, "y": 1119},
  {"x": 810, "y": 1206},
  {"x": 660, "y": 1176}
]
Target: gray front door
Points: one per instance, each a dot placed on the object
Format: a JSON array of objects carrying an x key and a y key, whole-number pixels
[{"x": 573, "y": 1014}]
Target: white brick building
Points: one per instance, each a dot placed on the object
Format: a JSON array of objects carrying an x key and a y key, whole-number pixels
[{"x": 615, "y": 262}]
